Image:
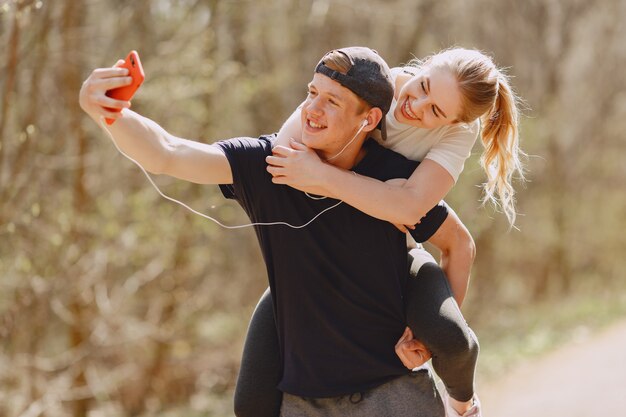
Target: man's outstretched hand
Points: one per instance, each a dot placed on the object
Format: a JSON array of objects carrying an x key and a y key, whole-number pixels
[{"x": 93, "y": 99}]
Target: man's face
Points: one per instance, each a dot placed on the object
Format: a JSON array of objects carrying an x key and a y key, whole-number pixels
[{"x": 331, "y": 115}]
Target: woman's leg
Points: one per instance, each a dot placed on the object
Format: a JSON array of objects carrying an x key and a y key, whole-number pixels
[
  {"x": 436, "y": 320},
  {"x": 256, "y": 394}
]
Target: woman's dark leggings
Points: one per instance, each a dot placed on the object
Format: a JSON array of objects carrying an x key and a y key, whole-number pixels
[{"x": 431, "y": 313}]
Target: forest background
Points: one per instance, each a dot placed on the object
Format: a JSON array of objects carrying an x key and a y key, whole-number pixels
[{"x": 115, "y": 302}]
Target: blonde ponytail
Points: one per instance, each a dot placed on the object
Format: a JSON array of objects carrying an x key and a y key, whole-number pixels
[
  {"x": 487, "y": 95},
  {"x": 501, "y": 157}
]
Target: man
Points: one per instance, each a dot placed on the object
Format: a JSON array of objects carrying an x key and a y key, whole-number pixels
[{"x": 337, "y": 283}]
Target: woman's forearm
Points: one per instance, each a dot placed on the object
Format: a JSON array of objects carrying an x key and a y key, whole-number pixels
[
  {"x": 400, "y": 202},
  {"x": 291, "y": 129}
]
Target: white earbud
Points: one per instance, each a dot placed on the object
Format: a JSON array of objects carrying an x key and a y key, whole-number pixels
[{"x": 361, "y": 127}]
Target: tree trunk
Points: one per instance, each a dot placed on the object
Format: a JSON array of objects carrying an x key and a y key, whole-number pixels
[{"x": 72, "y": 22}]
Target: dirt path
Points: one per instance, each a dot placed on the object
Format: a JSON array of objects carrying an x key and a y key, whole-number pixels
[{"x": 586, "y": 379}]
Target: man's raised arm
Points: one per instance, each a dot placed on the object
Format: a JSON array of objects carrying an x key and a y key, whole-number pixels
[{"x": 158, "y": 151}]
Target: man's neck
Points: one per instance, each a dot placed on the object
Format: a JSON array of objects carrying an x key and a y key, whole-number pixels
[{"x": 347, "y": 158}]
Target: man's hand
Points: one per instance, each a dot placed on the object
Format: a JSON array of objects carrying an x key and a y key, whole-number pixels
[
  {"x": 411, "y": 352},
  {"x": 93, "y": 96}
]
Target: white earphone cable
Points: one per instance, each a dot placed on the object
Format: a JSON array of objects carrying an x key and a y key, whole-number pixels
[
  {"x": 363, "y": 124},
  {"x": 209, "y": 217}
]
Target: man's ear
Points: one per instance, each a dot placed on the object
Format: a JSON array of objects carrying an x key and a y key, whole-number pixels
[{"x": 373, "y": 117}]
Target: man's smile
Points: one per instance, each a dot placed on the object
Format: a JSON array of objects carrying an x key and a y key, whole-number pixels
[{"x": 314, "y": 125}]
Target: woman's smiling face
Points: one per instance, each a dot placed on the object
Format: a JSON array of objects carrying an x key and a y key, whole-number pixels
[{"x": 429, "y": 99}]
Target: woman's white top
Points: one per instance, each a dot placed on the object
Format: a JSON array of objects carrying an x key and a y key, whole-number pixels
[{"x": 449, "y": 146}]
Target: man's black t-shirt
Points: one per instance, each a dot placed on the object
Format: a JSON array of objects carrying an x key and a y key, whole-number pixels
[{"x": 337, "y": 283}]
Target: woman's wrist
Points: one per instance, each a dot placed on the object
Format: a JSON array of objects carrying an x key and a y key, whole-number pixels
[{"x": 327, "y": 175}]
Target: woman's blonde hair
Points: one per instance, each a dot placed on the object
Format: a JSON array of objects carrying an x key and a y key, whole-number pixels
[{"x": 487, "y": 95}]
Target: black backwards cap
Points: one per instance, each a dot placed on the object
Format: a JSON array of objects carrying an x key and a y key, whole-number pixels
[{"x": 369, "y": 78}]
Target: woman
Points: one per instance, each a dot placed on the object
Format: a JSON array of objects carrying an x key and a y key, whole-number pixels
[{"x": 440, "y": 105}]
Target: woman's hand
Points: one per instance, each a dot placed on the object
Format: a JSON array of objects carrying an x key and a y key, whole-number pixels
[
  {"x": 93, "y": 98},
  {"x": 297, "y": 166},
  {"x": 411, "y": 352}
]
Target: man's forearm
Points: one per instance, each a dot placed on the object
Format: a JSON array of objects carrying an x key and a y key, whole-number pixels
[
  {"x": 145, "y": 141},
  {"x": 160, "y": 152},
  {"x": 140, "y": 138}
]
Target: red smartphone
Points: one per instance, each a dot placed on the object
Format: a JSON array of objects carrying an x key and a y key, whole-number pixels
[{"x": 135, "y": 70}]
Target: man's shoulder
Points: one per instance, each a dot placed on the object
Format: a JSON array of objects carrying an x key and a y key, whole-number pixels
[
  {"x": 246, "y": 153},
  {"x": 261, "y": 144},
  {"x": 246, "y": 157},
  {"x": 374, "y": 148},
  {"x": 384, "y": 163}
]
